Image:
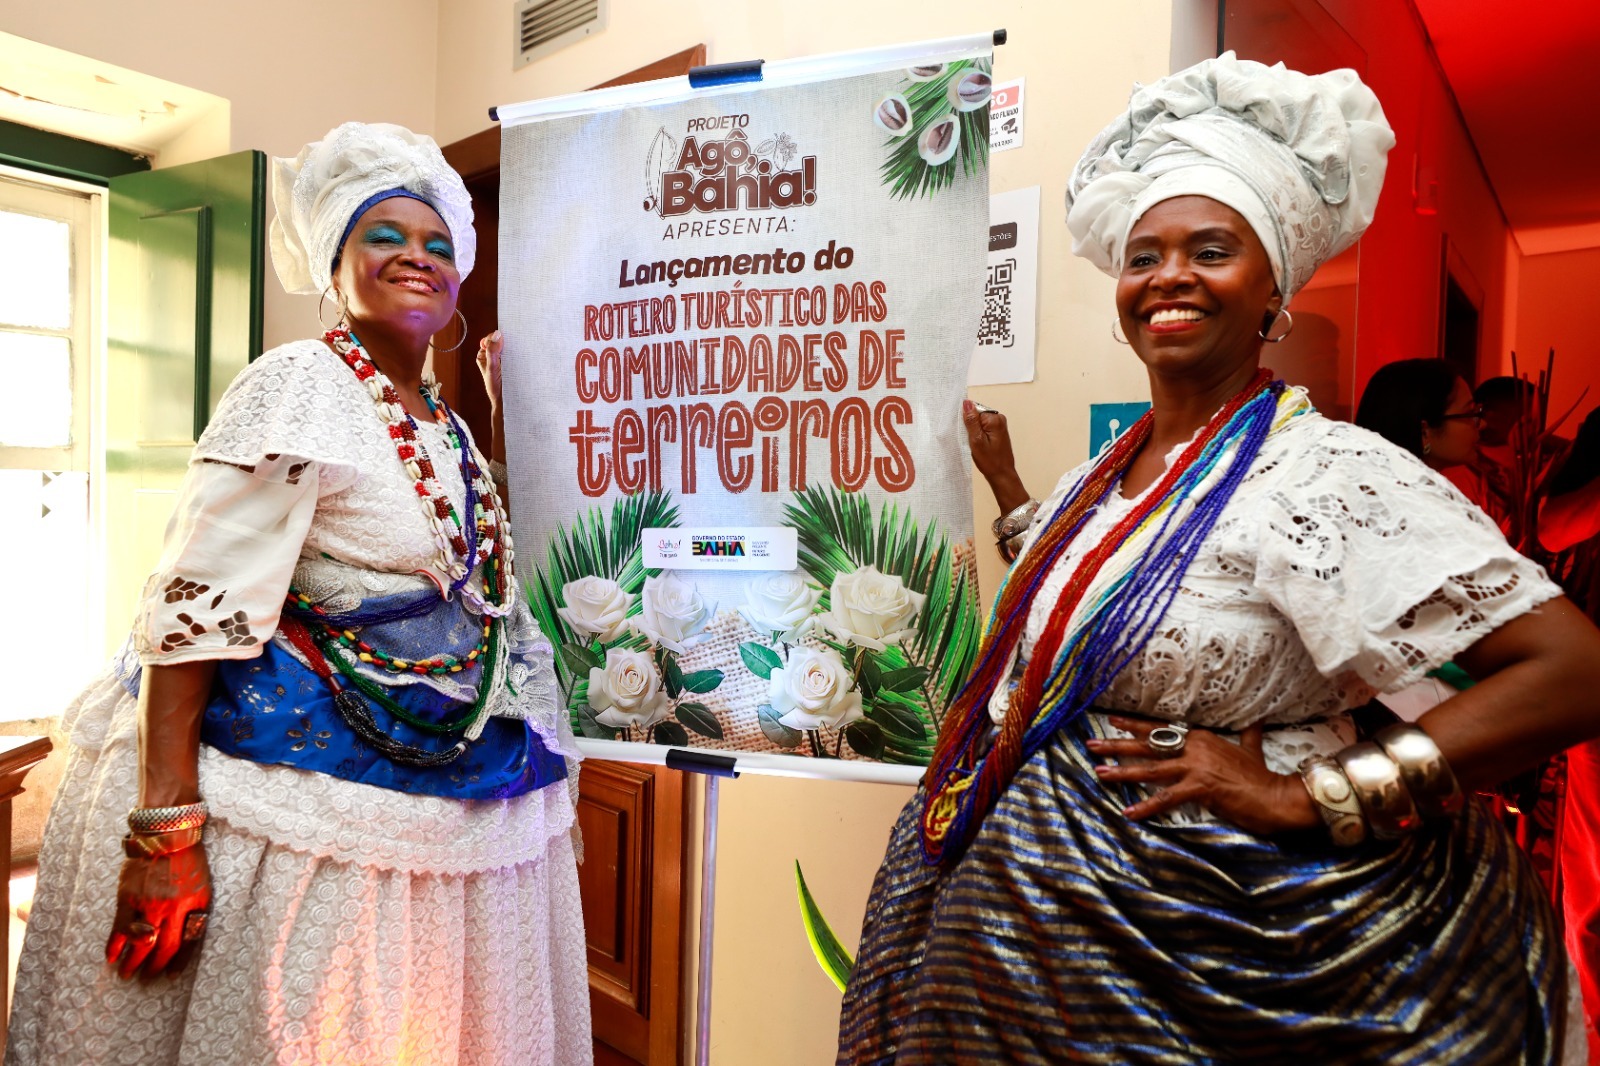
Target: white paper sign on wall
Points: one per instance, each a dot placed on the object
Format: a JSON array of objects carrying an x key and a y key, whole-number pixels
[
  {"x": 1005, "y": 348},
  {"x": 1005, "y": 117}
]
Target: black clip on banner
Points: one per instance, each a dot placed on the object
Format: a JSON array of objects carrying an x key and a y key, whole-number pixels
[{"x": 699, "y": 762}]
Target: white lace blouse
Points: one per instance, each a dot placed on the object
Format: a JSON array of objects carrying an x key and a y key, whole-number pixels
[
  {"x": 297, "y": 479},
  {"x": 1341, "y": 567}
]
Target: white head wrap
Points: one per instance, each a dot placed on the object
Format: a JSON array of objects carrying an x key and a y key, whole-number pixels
[
  {"x": 316, "y": 192},
  {"x": 1301, "y": 157}
]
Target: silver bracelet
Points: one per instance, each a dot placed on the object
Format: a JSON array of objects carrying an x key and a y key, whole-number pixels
[
  {"x": 1018, "y": 521},
  {"x": 1390, "y": 810},
  {"x": 1427, "y": 775},
  {"x": 168, "y": 819},
  {"x": 498, "y": 472},
  {"x": 1334, "y": 799}
]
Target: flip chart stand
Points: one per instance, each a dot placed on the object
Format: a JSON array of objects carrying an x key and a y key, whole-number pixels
[{"x": 715, "y": 768}]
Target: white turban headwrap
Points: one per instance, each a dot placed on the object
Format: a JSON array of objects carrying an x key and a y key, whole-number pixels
[
  {"x": 316, "y": 193},
  {"x": 1301, "y": 157}
]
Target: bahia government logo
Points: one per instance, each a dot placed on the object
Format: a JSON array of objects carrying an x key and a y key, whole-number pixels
[{"x": 718, "y": 547}]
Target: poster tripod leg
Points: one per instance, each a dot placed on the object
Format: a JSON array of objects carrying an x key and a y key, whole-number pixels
[{"x": 708, "y": 902}]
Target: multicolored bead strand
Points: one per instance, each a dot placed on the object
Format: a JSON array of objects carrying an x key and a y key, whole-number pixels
[{"x": 1133, "y": 574}]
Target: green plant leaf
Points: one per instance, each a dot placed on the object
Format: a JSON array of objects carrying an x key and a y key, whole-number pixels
[
  {"x": 669, "y": 733},
  {"x": 701, "y": 680},
  {"x": 869, "y": 678},
  {"x": 775, "y": 730},
  {"x": 581, "y": 660},
  {"x": 898, "y": 721},
  {"x": 908, "y": 679},
  {"x": 865, "y": 737},
  {"x": 698, "y": 717},
  {"x": 761, "y": 659},
  {"x": 592, "y": 728},
  {"x": 672, "y": 676},
  {"x": 831, "y": 955}
]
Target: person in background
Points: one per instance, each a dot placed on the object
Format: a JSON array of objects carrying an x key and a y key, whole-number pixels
[
  {"x": 1425, "y": 407},
  {"x": 322, "y": 805},
  {"x": 1149, "y": 832}
]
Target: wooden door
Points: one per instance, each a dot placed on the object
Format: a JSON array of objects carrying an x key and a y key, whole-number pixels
[{"x": 632, "y": 817}]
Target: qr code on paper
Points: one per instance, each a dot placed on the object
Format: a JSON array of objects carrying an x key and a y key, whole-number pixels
[{"x": 994, "y": 329}]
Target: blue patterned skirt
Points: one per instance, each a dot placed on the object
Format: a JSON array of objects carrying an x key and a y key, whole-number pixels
[{"x": 1067, "y": 933}]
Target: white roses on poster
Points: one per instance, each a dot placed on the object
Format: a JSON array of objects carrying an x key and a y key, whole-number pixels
[
  {"x": 814, "y": 690},
  {"x": 627, "y": 691},
  {"x": 595, "y": 607},
  {"x": 672, "y": 613},
  {"x": 780, "y": 604},
  {"x": 753, "y": 311},
  {"x": 872, "y": 609}
]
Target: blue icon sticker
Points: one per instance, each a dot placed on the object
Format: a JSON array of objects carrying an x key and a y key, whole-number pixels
[{"x": 1108, "y": 421}]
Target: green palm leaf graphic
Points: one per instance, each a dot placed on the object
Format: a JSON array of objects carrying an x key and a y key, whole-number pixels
[
  {"x": 905, "y": 171},
  {"x": 838, "y": 532}
]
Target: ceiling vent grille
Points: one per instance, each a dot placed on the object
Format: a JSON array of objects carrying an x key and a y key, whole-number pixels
[{"x": 543, "y": 26}]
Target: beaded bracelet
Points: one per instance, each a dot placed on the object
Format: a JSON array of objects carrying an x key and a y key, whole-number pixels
[
  {"x": 1334, "y": 799},
  {"x": 1427, "y": 775},
  {"x": 1375, "y": 778},
  {"x": 165, "y": 819},
  {"x": 155, "y": 845}
]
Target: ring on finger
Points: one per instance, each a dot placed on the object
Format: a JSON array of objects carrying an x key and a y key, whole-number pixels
[
  {"x": 139, "y": 932},
  {"x": 1167, "y": 740},
  {"x": 194, "y": 925}
]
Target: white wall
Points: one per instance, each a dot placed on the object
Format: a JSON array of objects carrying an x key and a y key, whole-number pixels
[
  {"x": 772, "y": 1004},
  {"x": 290, "y": 70}
]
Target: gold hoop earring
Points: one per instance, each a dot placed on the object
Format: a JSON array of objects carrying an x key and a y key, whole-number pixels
[
  {"x": 1119, "y": 338},
  {"x": 344, "y": 310},
  {"x": 1264, "y": 333},
  {"x": 463, "y": 338}
]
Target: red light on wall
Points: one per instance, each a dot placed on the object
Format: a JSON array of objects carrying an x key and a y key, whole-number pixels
[{"x": 1424, "y": 188}]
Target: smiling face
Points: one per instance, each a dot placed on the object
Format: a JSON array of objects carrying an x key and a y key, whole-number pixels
[
  {"x": 1195, "y": 290},
  {"x": 397, "y": 268}
]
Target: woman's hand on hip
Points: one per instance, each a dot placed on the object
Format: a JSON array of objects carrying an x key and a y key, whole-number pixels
[
  {"x": 163, "y": 904},
  {"x": 1231, "y": 781}
]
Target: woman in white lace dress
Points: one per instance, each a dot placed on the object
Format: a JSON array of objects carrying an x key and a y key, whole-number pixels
[
  {"x": 1150, "y": 832},
  {"x": 322, "y": 807}
]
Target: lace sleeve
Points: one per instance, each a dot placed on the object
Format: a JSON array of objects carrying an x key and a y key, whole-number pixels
[
  {"x": 1381, "y": 565},
  {"x": 228, "y": 557},
  {"x": 295, "y": 401}
]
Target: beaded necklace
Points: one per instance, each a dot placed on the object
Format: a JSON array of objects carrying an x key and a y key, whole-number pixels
[
  {"x": 461, "y": 548},
  {"x": 1114, "y": 601},
  {"x": 486, "y": 542}
]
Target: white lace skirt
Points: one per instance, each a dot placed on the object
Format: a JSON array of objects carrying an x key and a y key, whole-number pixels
[{"x": 349, "y": 924}]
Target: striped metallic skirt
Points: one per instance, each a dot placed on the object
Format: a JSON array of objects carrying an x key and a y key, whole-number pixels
[{"x": 1067, "y": 933}]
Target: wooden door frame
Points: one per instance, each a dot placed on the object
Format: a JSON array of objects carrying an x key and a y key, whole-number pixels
[{"x": 638, "y": 813}]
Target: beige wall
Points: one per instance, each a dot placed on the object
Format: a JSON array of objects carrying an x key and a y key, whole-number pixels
[
  {"x": 290, "y": 70},
  {"x": 772, "y": 1004}
]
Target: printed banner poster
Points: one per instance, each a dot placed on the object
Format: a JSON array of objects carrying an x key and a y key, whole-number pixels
[{"x": 738, "y": 320}]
